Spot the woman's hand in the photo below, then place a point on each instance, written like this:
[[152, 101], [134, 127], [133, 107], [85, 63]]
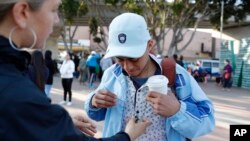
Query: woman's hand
[[82, 122], [135, 129]]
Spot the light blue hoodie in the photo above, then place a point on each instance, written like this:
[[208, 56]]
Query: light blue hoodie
[[195, 117]]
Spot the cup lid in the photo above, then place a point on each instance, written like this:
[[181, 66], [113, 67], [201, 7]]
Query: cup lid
[[157, 80]]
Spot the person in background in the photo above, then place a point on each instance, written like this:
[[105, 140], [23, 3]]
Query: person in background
[[105, 63], [175, 57], [76, 62], [38, 71], [82, 68], [195, 73], [98, 68], [199, 73], [180, 61], [67, 69], [181, 114], [227, 75], [52, 69], [28, 112], [190, 68], [92, 64]]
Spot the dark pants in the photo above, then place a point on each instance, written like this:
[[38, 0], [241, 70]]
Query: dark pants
[[218, 80], [227, 83], [67, 83], [92, 74]]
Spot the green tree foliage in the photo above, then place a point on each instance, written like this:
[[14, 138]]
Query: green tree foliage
[[93, 26], [69, 11], [164, 17], [238, 9], [161, 15]]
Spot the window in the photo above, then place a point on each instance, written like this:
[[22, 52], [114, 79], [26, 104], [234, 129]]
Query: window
[[215, 64], [206, 64]]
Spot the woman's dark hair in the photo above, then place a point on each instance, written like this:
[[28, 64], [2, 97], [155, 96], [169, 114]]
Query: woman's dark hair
[[37, 61], [70, 55], [227, 60], [48, 55]]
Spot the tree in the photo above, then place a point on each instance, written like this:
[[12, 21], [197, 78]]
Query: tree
[[231, 10], [161, 15], [176, 16], [98, 21], [69, 11]]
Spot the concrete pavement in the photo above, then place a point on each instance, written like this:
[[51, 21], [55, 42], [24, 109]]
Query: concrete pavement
[[231, 107]]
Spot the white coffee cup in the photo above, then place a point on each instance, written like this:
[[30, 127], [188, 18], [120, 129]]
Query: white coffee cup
[[158, 83]]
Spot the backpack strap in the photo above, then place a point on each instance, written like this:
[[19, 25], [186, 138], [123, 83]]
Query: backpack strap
[[168, 70]]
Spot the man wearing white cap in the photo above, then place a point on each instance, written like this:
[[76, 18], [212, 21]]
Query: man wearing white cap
[[123, 93]]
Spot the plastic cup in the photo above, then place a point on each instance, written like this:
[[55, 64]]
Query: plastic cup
[[158, 83]]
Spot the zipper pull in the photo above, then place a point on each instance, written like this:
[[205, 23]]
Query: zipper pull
[[136, 117]]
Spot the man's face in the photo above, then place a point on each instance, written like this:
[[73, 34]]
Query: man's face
[[134, 66], [137, 67]]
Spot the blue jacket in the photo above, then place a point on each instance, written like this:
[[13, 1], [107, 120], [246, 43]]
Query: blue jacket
[[92, 60], [195, 117]]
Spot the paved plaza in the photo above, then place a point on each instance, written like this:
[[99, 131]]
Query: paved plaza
[[231, 107]]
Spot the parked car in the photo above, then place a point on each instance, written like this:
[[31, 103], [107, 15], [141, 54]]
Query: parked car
[[211, 67]]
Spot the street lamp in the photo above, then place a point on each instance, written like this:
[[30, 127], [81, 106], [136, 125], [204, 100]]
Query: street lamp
[[221, 21]]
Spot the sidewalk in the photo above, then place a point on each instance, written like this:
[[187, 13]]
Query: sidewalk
[[231, 107]]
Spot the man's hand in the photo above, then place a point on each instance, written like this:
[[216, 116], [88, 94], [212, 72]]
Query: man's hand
[[84, 124], [164, 105], [103, 99]]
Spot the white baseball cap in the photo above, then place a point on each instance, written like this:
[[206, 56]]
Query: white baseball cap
[[93, 52], [128, 36]]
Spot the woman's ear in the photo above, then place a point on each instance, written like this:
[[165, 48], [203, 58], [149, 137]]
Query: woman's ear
[[20, 14]]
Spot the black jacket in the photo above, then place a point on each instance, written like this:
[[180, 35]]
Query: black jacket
[[51, 66], [26, 114]]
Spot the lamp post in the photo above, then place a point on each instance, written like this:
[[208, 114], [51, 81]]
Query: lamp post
[[221, 21]]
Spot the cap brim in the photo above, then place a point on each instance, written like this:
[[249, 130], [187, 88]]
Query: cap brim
[[130, 52]]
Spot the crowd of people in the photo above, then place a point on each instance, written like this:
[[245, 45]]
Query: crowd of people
[[200, 74], [87, 69], [122, 100]]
